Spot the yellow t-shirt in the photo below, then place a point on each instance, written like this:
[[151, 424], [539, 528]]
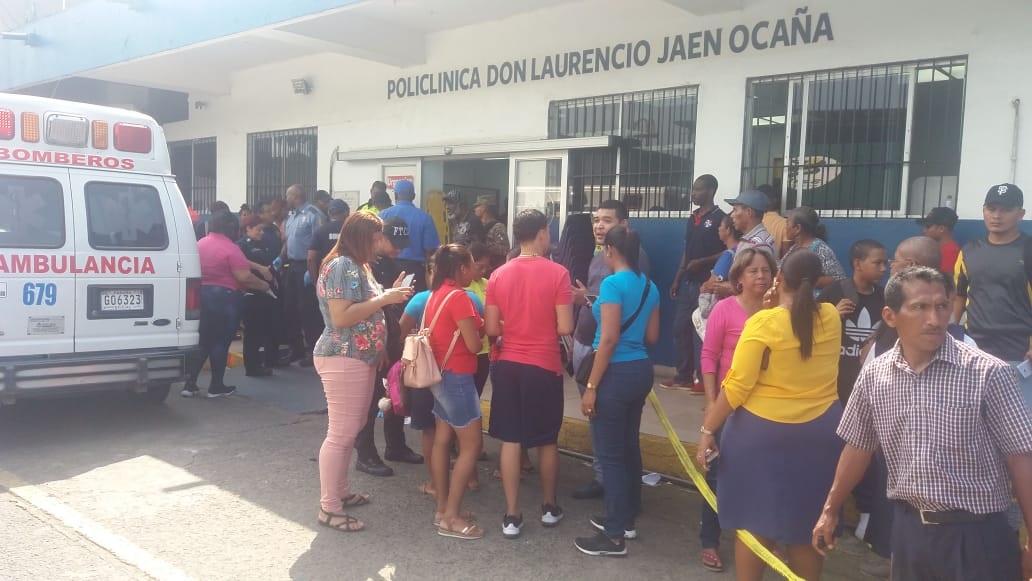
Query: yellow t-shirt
[[790, 390], [479, 288], [777, 226]]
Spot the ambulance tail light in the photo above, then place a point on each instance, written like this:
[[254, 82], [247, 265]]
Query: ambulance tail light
[[67, 130], [132, 138], [30, 127], [6, 124], [193, 299], [100, 135]]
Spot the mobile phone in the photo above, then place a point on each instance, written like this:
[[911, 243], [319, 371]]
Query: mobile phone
[[711, 455], [407, 281], [1025, 368]]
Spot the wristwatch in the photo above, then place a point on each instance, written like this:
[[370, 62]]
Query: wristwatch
[[589, 385]]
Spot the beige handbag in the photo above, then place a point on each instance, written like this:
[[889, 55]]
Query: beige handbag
[[420, 366]]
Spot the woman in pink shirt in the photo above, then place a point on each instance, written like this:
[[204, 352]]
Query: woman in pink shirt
[[225, 272], [751, 275]]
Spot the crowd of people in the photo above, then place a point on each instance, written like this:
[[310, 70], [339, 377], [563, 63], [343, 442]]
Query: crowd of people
[[819, 384]]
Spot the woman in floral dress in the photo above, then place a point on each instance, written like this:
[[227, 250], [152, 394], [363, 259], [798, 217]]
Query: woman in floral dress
[[346, 356]]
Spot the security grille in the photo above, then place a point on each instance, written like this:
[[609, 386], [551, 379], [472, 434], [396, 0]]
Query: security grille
[[194, 163], [651, 169], [880, 140], [279, 159]]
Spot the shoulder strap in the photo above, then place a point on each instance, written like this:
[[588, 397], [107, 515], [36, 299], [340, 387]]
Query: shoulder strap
[[455, 337], [644, 295], [438, 314]]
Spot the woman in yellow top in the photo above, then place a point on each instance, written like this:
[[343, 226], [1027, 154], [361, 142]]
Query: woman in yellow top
[[778, 450]]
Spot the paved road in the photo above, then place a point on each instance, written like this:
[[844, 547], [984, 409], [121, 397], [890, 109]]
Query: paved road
[[103, 487]]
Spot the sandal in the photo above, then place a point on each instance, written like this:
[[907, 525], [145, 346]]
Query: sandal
[[346, 522], [466, 515], [711, 560], [427, 489], [469, 532], [353, 500]]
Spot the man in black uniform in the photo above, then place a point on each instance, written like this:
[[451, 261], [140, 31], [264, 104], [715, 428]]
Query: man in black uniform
[[386, 270], [325, 238], [260, 309]]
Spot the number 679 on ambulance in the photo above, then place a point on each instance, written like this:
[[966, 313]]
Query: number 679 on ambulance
[[99, 272]]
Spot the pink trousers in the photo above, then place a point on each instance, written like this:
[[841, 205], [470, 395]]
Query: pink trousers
[[348, 384]]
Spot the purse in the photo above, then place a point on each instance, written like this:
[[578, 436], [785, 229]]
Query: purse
[[584, 371], [420, 368]]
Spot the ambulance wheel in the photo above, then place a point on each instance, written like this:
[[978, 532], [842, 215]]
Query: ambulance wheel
[[156, 393]]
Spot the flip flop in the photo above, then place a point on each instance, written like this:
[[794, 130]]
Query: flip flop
[[425, 489], [466, 515], [353, 500], [468, 533], [711, 560], [346, 524]]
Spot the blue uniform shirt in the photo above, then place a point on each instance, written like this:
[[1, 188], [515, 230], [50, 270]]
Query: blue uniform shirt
[[301, 226], [422, 233]]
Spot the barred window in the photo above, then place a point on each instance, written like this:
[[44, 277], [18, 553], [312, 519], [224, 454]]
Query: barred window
[[651, 169], [194, 163], [279, 159], [881, 140]]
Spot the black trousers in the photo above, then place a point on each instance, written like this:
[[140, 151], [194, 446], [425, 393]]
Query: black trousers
[[259, 314], [417, 268], [303, 321], [393, 426], [977, 551]]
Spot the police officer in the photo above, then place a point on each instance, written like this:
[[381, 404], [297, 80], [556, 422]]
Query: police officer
[[301, 308], [326, 238], [260, 309]]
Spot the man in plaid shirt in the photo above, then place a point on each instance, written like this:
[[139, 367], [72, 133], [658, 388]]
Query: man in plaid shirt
[[952, 423]]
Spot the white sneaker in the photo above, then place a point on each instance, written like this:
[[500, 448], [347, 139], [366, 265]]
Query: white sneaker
[[511, 526], [599, 523], [551, 515]]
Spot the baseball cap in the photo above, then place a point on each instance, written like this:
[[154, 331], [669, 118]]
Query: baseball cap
[[485, 200], [404, 189], [942, 216], [338, 207], [453, 197], [1006, 195], [396, 230], [751, 198]]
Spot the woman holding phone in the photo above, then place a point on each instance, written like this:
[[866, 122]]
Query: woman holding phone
[[346, 356], [620, 380]]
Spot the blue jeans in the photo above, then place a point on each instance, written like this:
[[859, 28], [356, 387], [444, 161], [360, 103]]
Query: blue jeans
[[618, 405], [580, 351], [686, 341], [220, 320]]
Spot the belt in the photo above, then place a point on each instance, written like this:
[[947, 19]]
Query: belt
[[947, 517]]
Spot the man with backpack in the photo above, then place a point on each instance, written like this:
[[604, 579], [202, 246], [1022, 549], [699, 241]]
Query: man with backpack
[[994, 277]]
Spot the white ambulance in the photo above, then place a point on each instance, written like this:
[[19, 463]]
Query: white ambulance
[[99, 272]]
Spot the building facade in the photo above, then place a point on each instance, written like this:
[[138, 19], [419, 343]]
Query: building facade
[[872, 112]]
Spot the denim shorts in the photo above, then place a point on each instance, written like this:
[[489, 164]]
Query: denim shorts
[[456, 402]]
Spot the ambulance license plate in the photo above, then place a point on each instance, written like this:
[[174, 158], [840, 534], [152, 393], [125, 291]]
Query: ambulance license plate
[[122, 300]]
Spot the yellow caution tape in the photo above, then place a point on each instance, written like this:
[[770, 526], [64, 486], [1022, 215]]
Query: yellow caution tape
[[707, 493]]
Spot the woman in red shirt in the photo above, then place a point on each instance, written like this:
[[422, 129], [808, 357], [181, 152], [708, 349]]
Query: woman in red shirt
[[455, 337]]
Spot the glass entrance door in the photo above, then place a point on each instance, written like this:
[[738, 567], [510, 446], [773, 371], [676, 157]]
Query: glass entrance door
[[537, 181]]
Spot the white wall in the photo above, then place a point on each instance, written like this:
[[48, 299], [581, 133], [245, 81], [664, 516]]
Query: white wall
[[349, 103]]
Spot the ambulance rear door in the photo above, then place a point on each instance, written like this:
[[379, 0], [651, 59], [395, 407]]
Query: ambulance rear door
[[127, 254], [37, 285]]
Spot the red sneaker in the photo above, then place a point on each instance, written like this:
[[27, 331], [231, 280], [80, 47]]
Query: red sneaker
[[674, 384], [698, 389]]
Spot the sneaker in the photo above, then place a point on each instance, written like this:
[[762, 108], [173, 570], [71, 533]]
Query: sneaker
[[374, 467], [697, 389], [599, 522], [511, 526], [221, 391], [551, 515], [592, 489], [189, 390], [674, 384], [600, 546]]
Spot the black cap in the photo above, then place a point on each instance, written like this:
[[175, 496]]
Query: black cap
[[396, 230], [939, 217], [1006, 195], [453, 197]]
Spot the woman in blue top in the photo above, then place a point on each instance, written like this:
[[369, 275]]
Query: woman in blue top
[[621, 378]]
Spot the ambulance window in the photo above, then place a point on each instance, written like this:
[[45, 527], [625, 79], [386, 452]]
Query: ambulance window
[[31, 212], [125, 216]]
